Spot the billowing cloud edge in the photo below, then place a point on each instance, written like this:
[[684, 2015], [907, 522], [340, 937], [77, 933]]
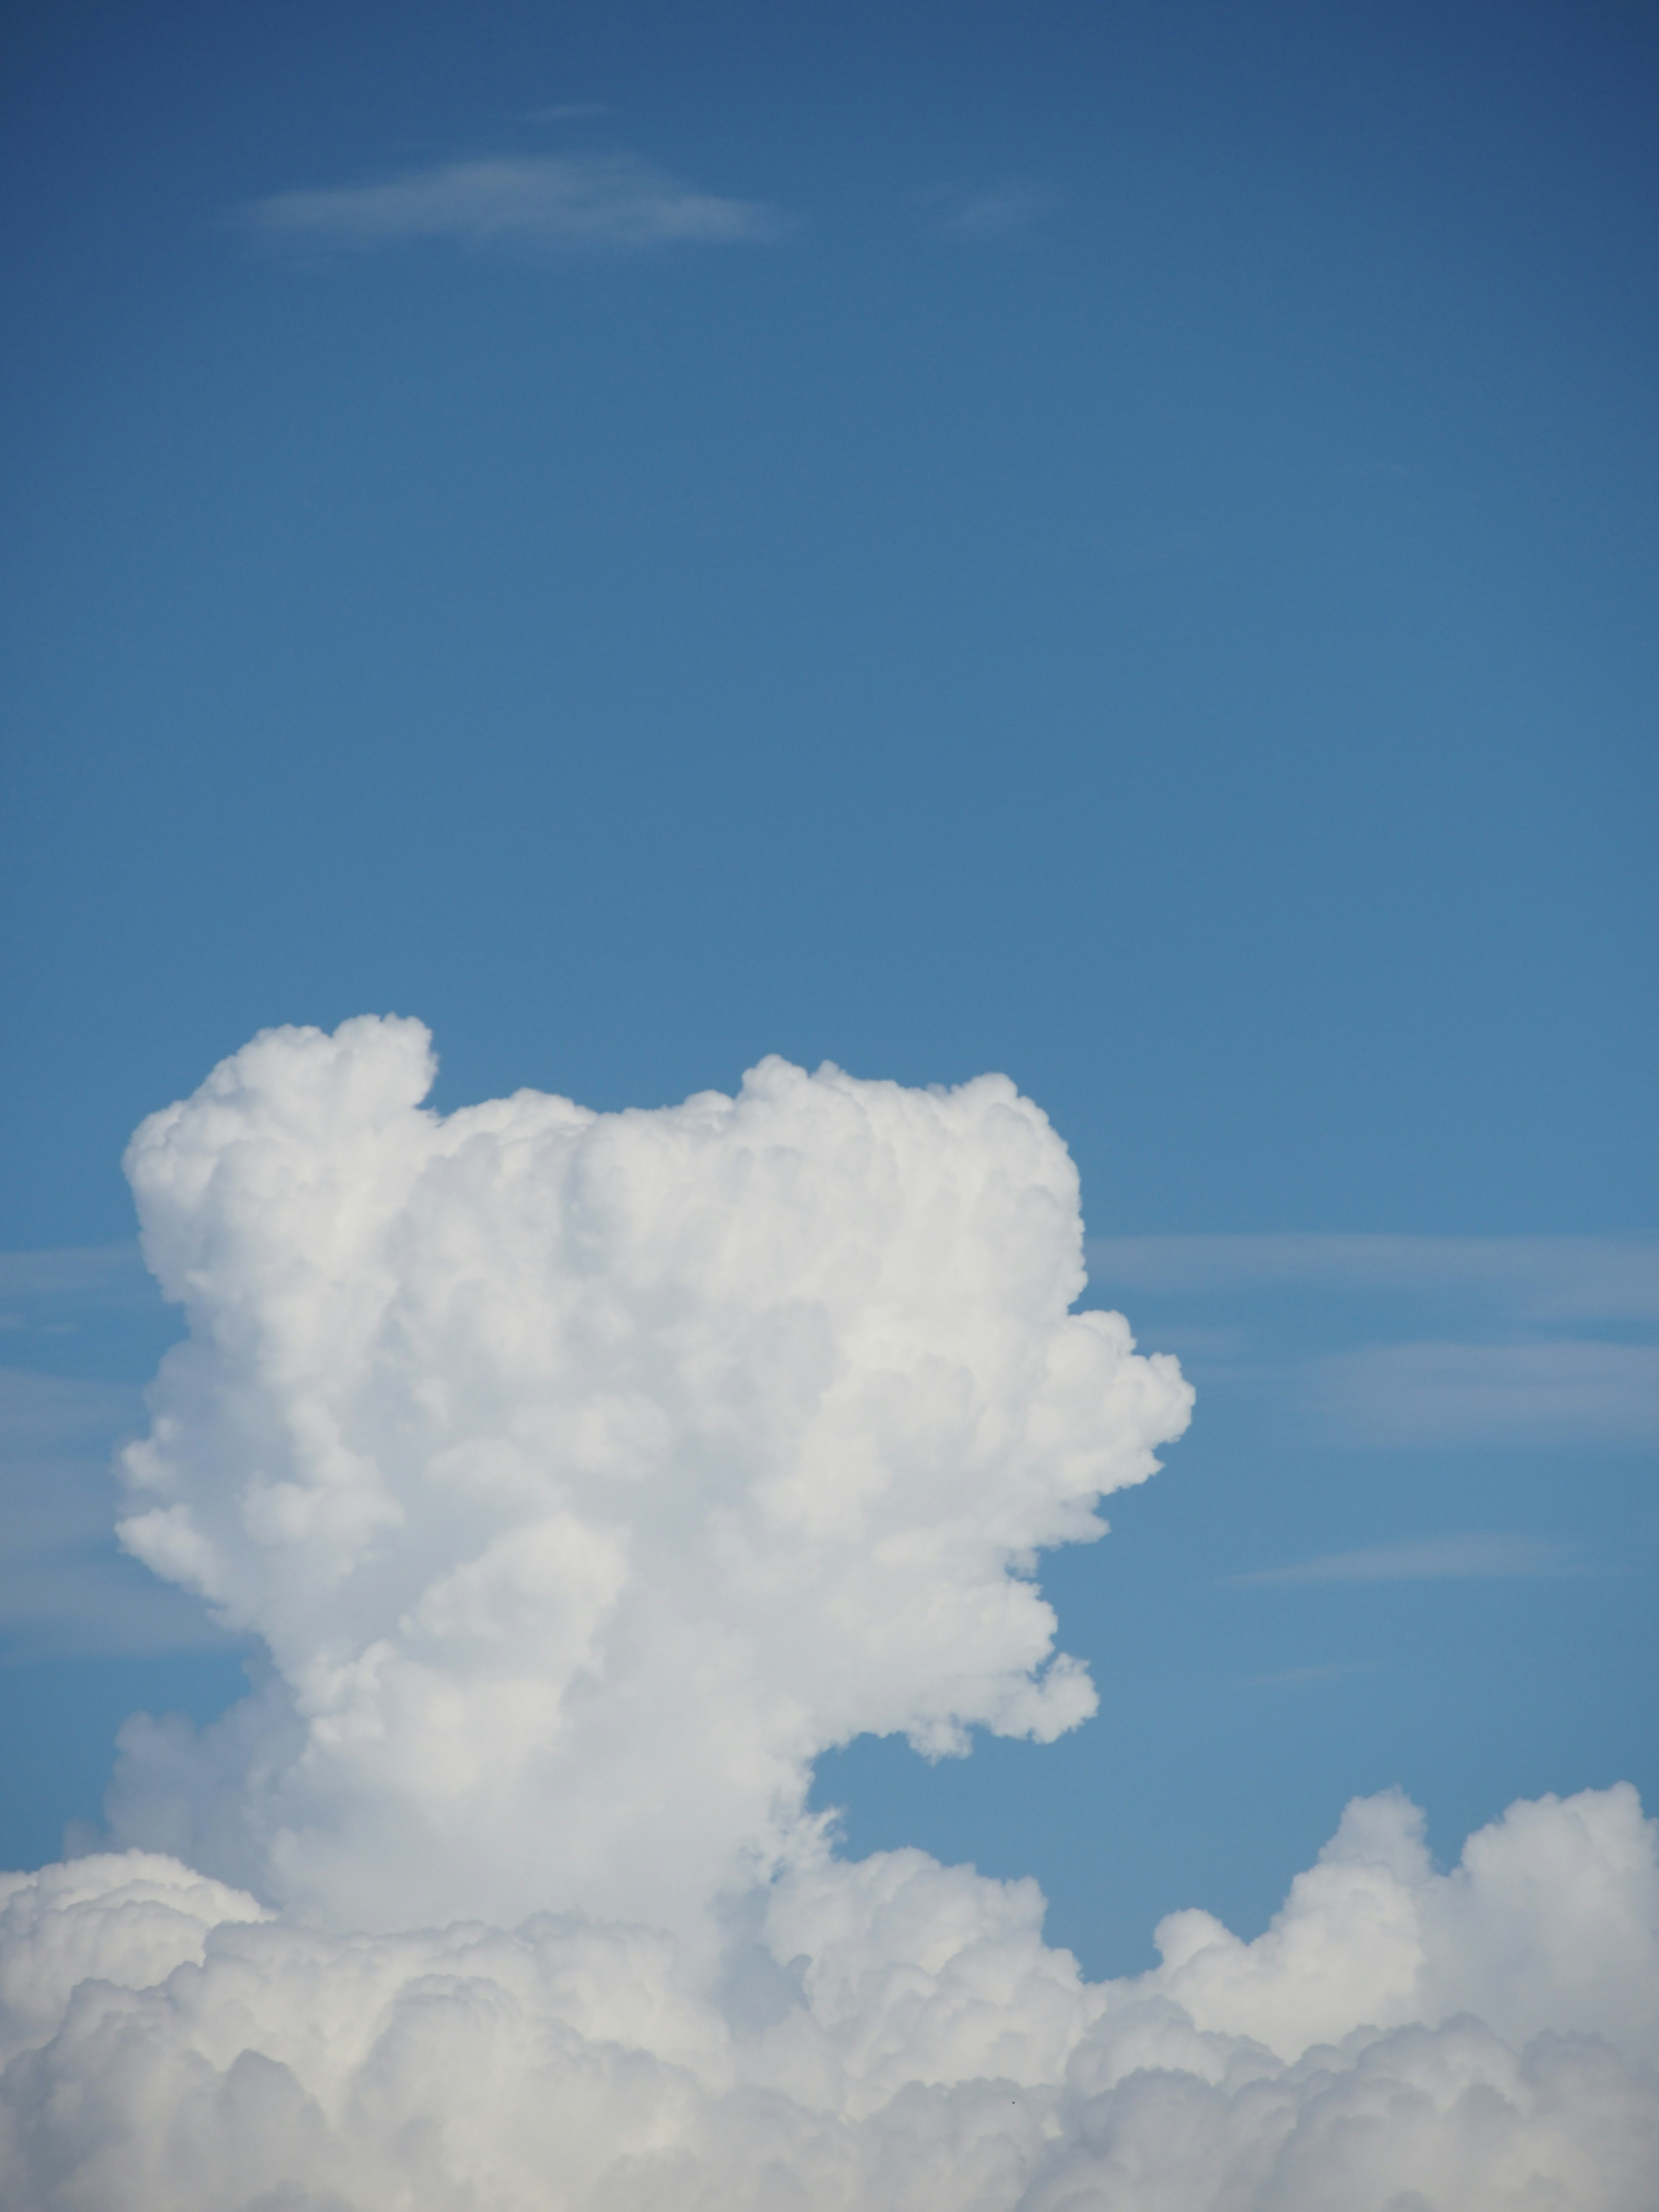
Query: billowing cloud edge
[[891, 2034]]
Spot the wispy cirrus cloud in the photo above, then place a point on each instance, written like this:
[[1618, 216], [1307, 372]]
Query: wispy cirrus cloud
[[1475, 1556], [565, 203]]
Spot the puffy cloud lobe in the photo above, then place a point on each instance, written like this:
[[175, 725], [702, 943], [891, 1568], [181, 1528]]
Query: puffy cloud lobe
[[925, 2052], [586, 1475]]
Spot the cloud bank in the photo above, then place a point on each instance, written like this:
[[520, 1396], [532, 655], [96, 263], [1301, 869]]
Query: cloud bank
[[901, 2041], [583, 1476], [569, 202]]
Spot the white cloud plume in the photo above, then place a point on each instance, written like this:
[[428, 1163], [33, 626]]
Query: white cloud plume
[[583, 1475], [586, 1473], [565, 202]]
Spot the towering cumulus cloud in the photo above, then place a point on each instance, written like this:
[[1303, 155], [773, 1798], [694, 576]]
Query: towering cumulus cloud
[[586, 1475], [582, 1478]]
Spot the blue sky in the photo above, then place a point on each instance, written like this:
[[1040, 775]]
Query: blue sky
[[1110, 543]]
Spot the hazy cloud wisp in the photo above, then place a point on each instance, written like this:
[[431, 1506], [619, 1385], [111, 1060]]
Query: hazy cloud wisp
[[1472, 1556], [1564, 1392], [1518, 1365], [1537, 1278], [568, 203]]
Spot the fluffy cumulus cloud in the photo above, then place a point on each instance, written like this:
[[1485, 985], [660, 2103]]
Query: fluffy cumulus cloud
[[583, 1477], [892, 2036], [586, 1475]]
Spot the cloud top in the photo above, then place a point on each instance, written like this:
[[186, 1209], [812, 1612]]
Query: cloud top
[[568, 203], [586, 1475]]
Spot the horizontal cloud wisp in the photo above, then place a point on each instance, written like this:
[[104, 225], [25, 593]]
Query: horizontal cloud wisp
[[1430, 1558], [561, 204]]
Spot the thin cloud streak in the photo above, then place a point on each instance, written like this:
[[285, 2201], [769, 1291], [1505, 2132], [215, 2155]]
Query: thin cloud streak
[[567, 203], [1537, 1395], [1541, 1277], [1526, 1342], [1472, 1557]]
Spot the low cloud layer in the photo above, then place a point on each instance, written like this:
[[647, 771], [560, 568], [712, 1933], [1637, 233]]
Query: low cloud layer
[[892, 2037], [582, 1477], [569, 202]]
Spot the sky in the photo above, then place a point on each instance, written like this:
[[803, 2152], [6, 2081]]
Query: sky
[[1105, 544]]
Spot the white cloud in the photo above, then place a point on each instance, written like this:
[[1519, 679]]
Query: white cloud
[[572, 203], [583, 1475], [1479, 2041], [1430, 1558], [584, 1472]]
